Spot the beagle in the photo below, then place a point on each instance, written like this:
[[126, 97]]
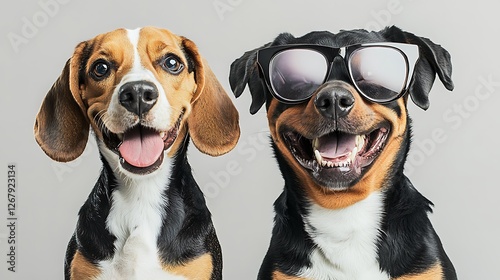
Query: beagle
[[144, 93], [337, 112]]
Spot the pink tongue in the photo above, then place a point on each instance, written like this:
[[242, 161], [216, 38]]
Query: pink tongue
[[141, 147], [336, 145]]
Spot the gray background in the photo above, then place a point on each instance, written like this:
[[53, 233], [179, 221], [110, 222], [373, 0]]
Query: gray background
[[458, 170]]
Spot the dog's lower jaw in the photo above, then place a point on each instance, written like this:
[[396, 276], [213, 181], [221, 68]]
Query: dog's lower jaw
[[335, 179], [116, 163]]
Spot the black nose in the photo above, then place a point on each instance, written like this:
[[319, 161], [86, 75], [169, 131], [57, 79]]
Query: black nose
[[334, 102], [138, 97]]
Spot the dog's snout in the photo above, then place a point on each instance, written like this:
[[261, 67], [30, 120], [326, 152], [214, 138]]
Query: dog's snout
[[334, 102], [138, 97]]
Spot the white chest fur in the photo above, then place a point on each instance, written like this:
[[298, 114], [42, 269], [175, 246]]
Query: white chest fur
[[346, 241], [135, 219]]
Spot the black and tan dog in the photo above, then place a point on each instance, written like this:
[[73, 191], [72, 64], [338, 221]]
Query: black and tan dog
[[144, 93], [337, 112]]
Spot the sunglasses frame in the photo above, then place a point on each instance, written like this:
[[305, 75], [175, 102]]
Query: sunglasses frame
[[409, 52]]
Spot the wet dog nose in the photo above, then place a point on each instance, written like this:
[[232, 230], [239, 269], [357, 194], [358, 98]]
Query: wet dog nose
[[138, 97], [334, 102]]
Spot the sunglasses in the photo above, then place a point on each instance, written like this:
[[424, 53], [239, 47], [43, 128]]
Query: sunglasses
[[381, 72]]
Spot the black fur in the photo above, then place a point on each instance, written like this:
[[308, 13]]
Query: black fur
[[290, 244], [187, 229], [408, 243], [95, 244], [88, 48]]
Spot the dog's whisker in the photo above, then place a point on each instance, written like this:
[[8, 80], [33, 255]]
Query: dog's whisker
[[101, 119]]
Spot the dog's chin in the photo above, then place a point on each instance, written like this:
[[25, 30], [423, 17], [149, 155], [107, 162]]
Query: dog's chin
[[141, 149], [142, 170], [337, 160]]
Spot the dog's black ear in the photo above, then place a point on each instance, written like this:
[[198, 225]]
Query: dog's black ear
[[245, 70], [433, 60]]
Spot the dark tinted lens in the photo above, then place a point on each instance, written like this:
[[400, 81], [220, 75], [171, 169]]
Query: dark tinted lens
[[379, 72], [296, 73]]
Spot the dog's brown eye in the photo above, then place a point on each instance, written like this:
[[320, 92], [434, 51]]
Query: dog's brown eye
[[100, 70], [172, 65]]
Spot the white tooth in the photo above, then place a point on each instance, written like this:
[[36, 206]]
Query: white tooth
[[319, 158], [360, 141], [363, 141], [162, 134], [353, 154], [314, 143]]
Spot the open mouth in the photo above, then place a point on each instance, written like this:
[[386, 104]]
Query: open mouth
[[141, 148], [337, 158]]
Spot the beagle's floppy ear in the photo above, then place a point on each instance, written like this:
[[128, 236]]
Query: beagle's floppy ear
[[245, 70], [214, 121], [433, 60], [61, 128]]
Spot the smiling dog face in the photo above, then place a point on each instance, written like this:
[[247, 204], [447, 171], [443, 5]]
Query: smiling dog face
[[141, 91], [340, 146]]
